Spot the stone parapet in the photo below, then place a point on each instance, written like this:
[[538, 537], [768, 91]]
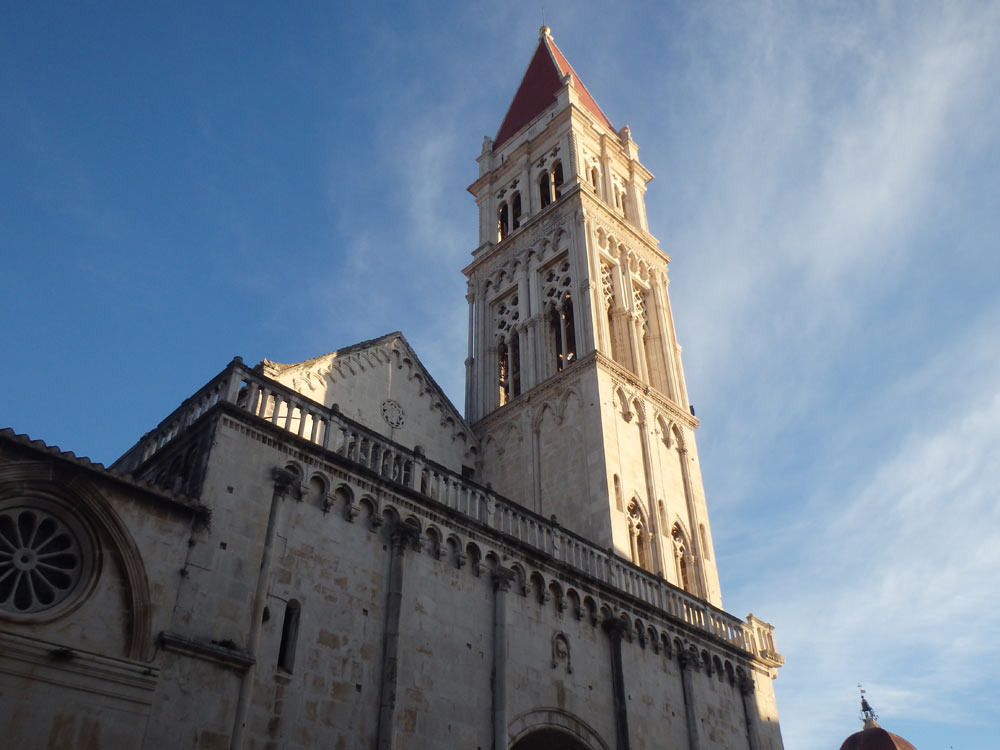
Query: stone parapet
[[266, 400]]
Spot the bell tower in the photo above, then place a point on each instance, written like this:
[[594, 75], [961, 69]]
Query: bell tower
[[574, 379]]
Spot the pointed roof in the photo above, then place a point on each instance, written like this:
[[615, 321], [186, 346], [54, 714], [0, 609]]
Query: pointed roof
[[539, 87]]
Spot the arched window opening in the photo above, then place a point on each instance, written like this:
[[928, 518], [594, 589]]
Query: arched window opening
[[544, 190], [557, 179], [594, 177], [570, 329], [638, 536], [515, 211], [556, 330], [563, 334], [289, 635], [503, 372], [503, 224], [514, 374]]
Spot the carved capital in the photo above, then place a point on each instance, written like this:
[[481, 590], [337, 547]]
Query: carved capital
[[503, 578], [615, 627], [404, 535], [685, 660], [284, 481]]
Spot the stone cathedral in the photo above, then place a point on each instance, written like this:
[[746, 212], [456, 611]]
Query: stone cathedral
[[328, 554]]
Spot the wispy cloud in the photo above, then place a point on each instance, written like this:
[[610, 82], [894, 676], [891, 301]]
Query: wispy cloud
[[873, 468], [895, 582]]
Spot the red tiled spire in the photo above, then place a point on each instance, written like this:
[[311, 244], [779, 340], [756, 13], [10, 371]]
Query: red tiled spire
[[538, 89]]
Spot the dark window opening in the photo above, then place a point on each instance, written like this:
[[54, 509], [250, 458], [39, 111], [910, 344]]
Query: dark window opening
[[557, 179], [564, 333], [289, 636], [515, 365], [503, 372], [502, 223], [544, 190], [555, 326], [515, 211], [570, 330]]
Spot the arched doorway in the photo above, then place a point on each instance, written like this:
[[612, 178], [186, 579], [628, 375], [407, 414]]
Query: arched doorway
[[549, 739]]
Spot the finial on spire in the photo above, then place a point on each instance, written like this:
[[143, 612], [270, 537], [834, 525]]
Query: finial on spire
[[868, 715], [545, 31]]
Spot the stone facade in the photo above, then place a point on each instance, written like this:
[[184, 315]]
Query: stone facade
[[327, 554]]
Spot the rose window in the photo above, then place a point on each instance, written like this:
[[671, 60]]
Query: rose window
[[392, 413], [43, 559]]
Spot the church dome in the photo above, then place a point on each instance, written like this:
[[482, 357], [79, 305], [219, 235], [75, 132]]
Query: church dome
[[874, 737]]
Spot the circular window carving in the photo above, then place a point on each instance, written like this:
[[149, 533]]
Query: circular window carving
[[46, 558], [392, 412]]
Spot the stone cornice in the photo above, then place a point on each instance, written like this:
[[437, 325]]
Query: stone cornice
[[648, 391], [569, 376], [409, 501], [223, 654], [563, 379], [525, 236], [647, 240]]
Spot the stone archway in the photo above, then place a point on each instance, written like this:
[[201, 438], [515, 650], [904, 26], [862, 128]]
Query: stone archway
[[549, 739], [553, 729]]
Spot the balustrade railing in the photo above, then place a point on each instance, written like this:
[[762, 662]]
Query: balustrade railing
[[328, 428]]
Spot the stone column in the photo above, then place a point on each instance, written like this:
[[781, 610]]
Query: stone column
[[536, 469], [699, 553], [284, 482], [656, 551], [684, 659], [615, 628], [675, 351], [525, 348], [403, 535], [469, 380], [746, 688], [502, 578]]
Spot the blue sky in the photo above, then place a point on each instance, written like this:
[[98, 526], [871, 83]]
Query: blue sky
[[182, 183]]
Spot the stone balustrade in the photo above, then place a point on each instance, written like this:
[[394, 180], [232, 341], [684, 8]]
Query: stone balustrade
[[331, 430]]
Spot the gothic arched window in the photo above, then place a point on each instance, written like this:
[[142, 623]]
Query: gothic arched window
[[563, 333], [515, 211], [638, 535], [683, 560]]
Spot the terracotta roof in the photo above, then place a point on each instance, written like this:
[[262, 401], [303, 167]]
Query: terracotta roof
[[539, 87], [875, 738]]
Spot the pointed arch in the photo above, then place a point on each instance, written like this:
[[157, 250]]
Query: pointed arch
[[640, 538], [684, 562]]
